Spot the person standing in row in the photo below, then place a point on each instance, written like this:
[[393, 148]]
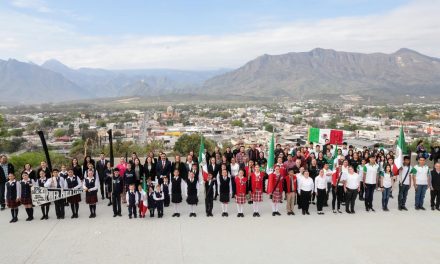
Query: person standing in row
[[405, 182], [386, 185], [57, 182], [240, 196], [44, 207], [166, 192], [371, 171], [275, 189], [225, 191], [26, 198], [101, 166], [351, 182], [91, 186], [177, 186], [435, 187], [337, 190], [192, 194], [321, 191], [132, 199], [5, 169], [209, 195], [73, 182], [290, 188], [12, 196], [158, 197], [117, 189], [421, 179], [305, 188], [257, 190]]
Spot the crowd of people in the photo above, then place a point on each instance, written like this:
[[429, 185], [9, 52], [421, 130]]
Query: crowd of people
[[323, 175]]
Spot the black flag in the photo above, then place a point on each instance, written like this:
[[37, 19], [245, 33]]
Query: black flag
[[110, 139], [46, 150]]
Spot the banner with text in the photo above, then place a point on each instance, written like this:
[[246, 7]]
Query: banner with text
[[41, 195]]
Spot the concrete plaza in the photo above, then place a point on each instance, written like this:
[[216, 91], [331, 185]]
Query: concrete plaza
[[380, 237]]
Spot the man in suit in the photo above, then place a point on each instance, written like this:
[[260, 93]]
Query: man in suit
[[5, 169], [163, 168], [214, 169], [101, 166], [253, 153], [189, 163]]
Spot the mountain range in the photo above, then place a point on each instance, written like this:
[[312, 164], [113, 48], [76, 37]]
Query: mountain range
[[319, 73]]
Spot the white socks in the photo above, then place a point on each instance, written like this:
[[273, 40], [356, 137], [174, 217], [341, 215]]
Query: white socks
[[240, 208], [176, 208], [256, 207], [224, 208], [274, 207], [192, 208]]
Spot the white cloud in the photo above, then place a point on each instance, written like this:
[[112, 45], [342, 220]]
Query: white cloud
[[37, 5], [415, 26]]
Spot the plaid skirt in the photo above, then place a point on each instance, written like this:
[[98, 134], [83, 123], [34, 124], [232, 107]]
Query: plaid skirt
[[74, 199], [276, 196], [12, 203], [257, 196], [26, 201], [240, 198], [91, 197]]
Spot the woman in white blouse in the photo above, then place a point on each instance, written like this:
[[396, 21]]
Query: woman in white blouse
[[305, 188]]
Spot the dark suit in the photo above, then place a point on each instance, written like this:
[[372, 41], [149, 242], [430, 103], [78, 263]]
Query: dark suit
[[183, 172], [253, 154], [101, 166], [162, 170], [214, 170]]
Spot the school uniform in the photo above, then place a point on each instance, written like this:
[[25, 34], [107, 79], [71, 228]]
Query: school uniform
[[117, 189], [352, 184], [404, 185], [370, 171], [387, 183], [132, 199], [305, 188], [240, 196], [151, 203], [257, 186], [290, 186], [158, 198], [275, 187], [166, 193], [421, 181], [26, 197], [92, 194], [58, 183], [44, 207], [74, 182], [435, 192], [143, 204], [108, 174], [225, 188], [12, 195], [337, 190], [209, 196], [321, 192]]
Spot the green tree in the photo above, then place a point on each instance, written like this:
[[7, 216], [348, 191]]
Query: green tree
[[10, 146], [154, 146], [238, 123], [268, 127], [47, 123], [34, 158], [427, 143], [59, 133], [101, 123], [187, 143], [16, 132]]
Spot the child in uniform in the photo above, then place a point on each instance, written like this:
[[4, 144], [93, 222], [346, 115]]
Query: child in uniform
[[132, 199], [26, 197], [158, 197], [12, 196], [73, 182], [91, 186], [44, 207]]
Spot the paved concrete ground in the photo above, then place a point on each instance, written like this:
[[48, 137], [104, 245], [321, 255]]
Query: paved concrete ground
[[381, 237]]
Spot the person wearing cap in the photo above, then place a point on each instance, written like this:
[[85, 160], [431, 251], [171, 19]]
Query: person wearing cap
[[405, 182], [57, 182], [421, 180], [371, 172], [117, 188]]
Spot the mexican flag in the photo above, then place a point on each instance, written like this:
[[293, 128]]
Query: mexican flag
[[271, 155], [400, 149], [202, 160], [317, 135]]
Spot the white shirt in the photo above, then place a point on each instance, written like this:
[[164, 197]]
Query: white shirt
[[63, 183], [421, 174], [403, 173], [234, 169], [371, 172], [387, 181], [352, 181], [306, 184], [320, 183]]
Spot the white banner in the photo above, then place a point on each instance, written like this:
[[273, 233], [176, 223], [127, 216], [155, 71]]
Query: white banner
[[41, 195]]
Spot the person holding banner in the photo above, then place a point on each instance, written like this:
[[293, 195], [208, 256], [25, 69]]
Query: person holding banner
[[59, 183], [73, 182], [91, 186], [44, 207], [26, 197], [12, 196]]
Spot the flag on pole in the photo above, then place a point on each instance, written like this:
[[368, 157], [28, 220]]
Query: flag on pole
[[271, 155], [400, 149], [202, 160], [317, 135]]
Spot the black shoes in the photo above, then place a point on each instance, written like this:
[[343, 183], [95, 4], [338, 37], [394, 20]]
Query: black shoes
[[240, 215], [109, 204], [115, 215], [192, 215], [225, 214]]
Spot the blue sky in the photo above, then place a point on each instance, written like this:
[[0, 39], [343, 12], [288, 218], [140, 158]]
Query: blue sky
[[208, 34]]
